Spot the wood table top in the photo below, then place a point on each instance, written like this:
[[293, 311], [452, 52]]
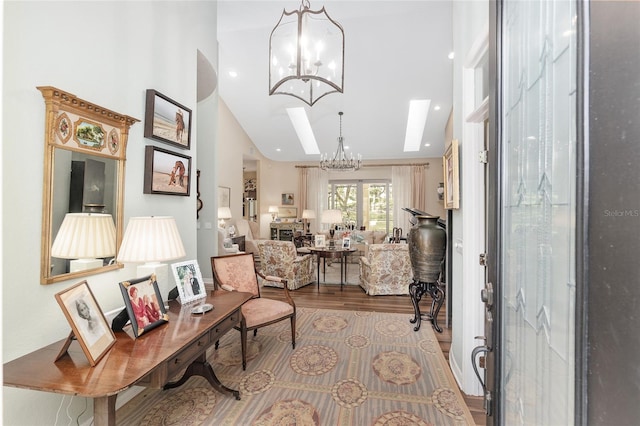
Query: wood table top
[[128, 361]]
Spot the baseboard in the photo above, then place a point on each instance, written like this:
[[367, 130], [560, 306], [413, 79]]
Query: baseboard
[[455, 369]]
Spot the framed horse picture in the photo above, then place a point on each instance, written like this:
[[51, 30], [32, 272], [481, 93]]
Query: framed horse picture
[[166, 120], [166, 172]]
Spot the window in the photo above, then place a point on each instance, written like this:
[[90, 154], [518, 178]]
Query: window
[[363, 203]]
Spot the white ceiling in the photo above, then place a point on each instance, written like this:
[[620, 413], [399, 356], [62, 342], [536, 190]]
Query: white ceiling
[[395, 51]]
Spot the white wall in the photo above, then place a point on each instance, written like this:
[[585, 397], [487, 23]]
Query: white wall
[[470, 21], [108, 53]]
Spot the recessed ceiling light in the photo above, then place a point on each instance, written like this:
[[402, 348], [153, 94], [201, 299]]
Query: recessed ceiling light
[[278, 150], [418, 111], [437, 107], [300, 121], [233, 74], [427, 144], [451, 55]]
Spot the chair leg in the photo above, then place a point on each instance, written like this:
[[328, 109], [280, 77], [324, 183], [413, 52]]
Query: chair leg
[[293, 332], [255, 332], [217, 344], [243, 344]]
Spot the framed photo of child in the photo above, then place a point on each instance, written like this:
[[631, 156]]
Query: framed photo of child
[[88, 324], [143, 304]]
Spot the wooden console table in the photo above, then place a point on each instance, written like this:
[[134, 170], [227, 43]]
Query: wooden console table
[[151, 360]]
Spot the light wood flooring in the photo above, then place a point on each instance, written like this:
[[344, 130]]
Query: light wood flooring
[[352, 297]]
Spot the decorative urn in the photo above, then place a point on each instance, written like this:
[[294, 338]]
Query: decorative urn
[[427, 243]]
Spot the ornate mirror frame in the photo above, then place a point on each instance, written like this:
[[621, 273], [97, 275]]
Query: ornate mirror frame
[[66, 118]]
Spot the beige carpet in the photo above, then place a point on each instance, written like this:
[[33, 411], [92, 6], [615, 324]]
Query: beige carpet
[[348, 368]]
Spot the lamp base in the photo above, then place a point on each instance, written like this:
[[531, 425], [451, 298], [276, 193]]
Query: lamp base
[[162, 276], [84, 264]]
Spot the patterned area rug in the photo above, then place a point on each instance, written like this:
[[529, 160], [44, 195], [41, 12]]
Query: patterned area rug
[[348, 368]]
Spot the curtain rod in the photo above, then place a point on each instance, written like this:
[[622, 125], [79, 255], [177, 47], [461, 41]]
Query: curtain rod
[[372, 165]]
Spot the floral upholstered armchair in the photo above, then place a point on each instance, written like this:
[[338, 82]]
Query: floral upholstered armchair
[[386, 269], [279, 259]]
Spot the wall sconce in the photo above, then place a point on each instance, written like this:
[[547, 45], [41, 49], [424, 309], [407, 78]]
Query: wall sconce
[[274, 212], [440, 190]]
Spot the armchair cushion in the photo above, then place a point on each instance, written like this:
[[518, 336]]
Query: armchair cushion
[[263, 310], [386, 269], [279, 258]]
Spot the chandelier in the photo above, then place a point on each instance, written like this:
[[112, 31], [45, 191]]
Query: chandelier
[[339, 161], [306, 55]]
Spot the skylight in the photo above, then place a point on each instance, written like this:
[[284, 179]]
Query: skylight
[[418, 111], [300, 121]]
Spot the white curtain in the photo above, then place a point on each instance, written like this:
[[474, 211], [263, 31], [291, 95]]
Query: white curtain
[[317, 183], [401, 182]]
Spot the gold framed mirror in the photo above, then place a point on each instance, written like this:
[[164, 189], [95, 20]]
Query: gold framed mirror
[[83, 196]]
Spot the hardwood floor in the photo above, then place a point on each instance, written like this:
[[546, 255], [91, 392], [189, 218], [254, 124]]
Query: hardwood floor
[[352, 297]]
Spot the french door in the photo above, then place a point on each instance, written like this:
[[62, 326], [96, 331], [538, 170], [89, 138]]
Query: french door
[[363, 203]]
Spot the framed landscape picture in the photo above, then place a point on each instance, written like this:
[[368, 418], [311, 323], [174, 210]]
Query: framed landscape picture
[[88, 323], [166, 172], [166, 120], [144, 304]]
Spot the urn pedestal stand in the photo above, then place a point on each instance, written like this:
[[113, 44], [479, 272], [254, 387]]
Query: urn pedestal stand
[[427, 243], [417, 289]]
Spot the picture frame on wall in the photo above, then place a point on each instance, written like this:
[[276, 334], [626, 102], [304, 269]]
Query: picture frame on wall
[[144, 304], [224, 196], [451, 176], [88, 323], [287, 199], [166, 172], [189, 281], [166, 120]]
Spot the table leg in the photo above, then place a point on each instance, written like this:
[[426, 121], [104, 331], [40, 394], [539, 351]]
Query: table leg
[[104, 410], [343, 275], [318, 264], [201, 367]]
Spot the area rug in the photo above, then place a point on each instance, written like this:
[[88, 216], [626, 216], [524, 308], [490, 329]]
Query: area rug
[[348, 368]]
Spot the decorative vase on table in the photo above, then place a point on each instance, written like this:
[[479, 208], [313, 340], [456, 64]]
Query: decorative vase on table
[[427, 244]]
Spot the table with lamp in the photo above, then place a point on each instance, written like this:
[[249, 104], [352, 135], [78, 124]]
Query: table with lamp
[[150, 360]]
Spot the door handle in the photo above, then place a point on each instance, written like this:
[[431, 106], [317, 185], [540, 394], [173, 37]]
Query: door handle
[[474, 355]]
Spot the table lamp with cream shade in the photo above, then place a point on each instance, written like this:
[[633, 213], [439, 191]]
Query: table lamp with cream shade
[[87, 238], [224, 214], [151, 240], [331, 217], [274, 212], [308, 214]]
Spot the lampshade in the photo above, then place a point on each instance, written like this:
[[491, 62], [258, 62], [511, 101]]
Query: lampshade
[[273, 209], [308, 214], [224, 213], [306, 55], [151, 239], [85, 235], [331, 216]]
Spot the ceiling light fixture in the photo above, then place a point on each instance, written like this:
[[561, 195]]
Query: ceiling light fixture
[[339, 161], [306, 51]]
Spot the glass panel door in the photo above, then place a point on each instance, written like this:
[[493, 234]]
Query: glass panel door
[[538, 210]]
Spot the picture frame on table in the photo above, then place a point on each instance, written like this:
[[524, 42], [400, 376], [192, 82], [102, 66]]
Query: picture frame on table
[[319, 241], [450, 164], [224, 196], [166, 120], [143, 303], [189, 281], [88, 323], [166, 172], [346, 243]]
